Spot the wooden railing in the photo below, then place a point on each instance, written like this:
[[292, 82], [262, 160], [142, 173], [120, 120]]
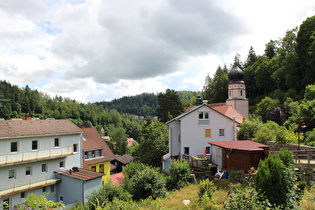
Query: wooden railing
[[301, 156], [34, 155], [27, 184]]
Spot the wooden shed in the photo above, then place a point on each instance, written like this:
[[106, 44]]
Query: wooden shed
[[237, 155]]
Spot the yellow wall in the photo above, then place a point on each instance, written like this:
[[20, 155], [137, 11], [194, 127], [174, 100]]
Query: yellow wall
[[106, 176]]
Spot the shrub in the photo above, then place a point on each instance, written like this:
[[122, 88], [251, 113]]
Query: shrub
[[147, 183], [180, 174], [246, 198], [206, 188], [107, 193], [41, 202], [276, 181]]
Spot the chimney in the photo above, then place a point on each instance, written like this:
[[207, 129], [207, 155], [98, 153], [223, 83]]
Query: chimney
[[27, 117]]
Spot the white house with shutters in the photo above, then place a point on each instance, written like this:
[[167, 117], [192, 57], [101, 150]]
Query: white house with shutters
[[32, 153]]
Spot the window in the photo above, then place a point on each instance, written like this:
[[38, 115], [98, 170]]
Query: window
[[56, 142], [61, 164], [186, 150], [52, 188], [11, 174], [6, 204], [207, 150], [35, 145], [93, 168], [221, 132], [28, 170], [75, 148], [14, 146], [207, 132], [86, 155], [101, 168], [23, 195], [44, 189], [203, 118], [44, 167], [60, 198]]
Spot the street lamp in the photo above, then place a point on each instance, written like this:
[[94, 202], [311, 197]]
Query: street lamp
[[300, 125]]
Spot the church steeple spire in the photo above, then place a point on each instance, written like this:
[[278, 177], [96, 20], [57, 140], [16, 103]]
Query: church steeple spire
[[237, 89]]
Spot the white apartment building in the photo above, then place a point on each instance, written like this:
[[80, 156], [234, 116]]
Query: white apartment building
[[32, 155]]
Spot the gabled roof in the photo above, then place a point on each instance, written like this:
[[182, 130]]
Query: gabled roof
[[246, 145], [124, 159], [82, 174], [31, 128], [221, 108], [117, 179], [92, 140]]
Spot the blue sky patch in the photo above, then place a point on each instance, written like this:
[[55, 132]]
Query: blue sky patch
[[46, 26]]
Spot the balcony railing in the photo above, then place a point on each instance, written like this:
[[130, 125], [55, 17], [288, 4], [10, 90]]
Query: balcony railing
[[24, 185], [21, 157]]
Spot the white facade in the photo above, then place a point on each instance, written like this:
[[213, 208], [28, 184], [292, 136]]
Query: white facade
[[190, 132], [28, 164]]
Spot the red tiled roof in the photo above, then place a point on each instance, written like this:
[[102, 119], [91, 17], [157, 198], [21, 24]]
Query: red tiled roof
[[82, 174], [117, 179], [124, 159], [130, 140], [230, 112], [223, 109], [92, 140], [23, 128], [240, 145], [112, 167]]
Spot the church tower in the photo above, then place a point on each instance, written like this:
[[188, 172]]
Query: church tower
[[237, 91]]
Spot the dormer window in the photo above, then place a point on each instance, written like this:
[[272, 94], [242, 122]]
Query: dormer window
[[203, 118]]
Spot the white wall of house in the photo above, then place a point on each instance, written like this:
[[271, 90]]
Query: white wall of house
[[216, 155], [22, 174], [174, 138], [192, 134]]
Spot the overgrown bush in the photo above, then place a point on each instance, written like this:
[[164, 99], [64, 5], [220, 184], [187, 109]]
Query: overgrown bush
[[107, 193], [38, 202], [206, 189], [276, 181], [147, 183], [179, 174], [246, 198], [131, 169]]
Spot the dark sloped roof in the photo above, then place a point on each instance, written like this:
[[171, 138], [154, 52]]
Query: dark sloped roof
[[92, 140], [240, 145], [82, 174], [30, 128], [124, 159]]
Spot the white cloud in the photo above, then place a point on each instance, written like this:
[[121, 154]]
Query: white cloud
[[100, 49]]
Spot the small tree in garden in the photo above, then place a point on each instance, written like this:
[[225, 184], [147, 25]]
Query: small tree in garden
[[276, 181], [147, 183], [180, 174]]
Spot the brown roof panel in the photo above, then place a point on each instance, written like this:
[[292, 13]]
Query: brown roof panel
[[82, 174], [92, 140], [240, 145], [28, 128], [124, 159]]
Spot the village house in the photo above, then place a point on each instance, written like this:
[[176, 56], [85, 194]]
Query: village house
[[190, 132], [40, 157], [97, 155]]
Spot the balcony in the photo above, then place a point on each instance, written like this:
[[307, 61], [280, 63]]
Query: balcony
[[23, 157], [26, 185]]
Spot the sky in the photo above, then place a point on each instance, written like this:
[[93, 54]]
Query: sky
[[99, 50]]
